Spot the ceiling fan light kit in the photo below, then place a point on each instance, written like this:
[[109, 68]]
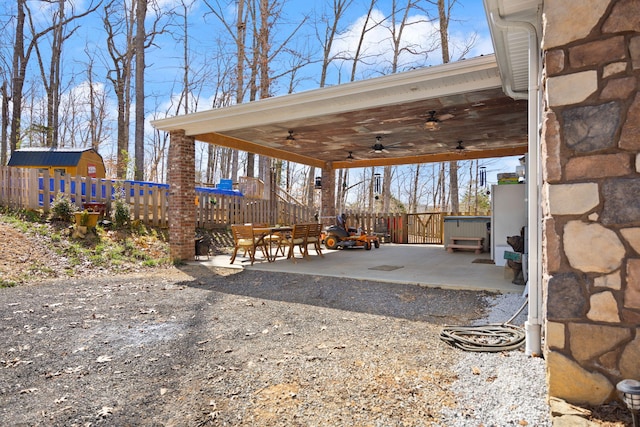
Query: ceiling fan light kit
[[432, 122], [378, 147]]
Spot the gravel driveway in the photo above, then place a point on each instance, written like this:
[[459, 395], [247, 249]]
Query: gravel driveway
[[198, 347]]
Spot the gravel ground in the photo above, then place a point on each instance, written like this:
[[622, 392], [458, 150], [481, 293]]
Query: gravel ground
[[194, 347], [198, 347], [500, 389]]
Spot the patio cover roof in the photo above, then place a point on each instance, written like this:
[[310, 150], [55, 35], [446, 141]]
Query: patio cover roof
[[465, 97]]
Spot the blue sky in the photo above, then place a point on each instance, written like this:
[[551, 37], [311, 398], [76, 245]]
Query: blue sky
[[164, 59]]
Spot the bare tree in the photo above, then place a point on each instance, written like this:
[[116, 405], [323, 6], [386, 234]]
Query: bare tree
[[141, 36], [119, 24], [444, 16], [51, 75], [328, 33], [97, 108], [21, 56], [256, 19], [5, 76], [444, 13], [397, 25], [326, 36], [20, 60], [5, 123], [417, 190], [123, 44], [357, 56], [238, 33], [159, 150]]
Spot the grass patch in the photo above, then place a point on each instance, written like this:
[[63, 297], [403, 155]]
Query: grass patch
[[118, 248], [7, 283]]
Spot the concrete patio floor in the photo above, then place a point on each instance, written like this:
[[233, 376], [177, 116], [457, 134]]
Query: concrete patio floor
[[424, 265]]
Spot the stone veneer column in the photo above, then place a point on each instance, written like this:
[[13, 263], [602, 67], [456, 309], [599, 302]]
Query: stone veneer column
[[328, 196], [591, 196], [182, 196]]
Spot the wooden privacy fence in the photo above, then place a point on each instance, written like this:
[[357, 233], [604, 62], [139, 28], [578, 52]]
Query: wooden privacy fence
[[401, 227], [33, 189], [424, 227], [148, 201], [214, 211]]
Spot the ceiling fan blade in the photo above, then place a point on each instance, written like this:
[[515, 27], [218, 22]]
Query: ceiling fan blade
[[392, 144], [444, 117]]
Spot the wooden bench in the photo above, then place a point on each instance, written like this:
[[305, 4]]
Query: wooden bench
[[465, 243]]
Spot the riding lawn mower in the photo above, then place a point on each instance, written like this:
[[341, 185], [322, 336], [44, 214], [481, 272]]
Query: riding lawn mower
[[336, 237]]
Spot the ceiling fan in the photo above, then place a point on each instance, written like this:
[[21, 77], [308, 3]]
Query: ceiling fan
[[294, 139], [433, 121], [378, 147]]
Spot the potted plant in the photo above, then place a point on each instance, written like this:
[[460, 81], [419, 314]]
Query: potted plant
[[86, 218]]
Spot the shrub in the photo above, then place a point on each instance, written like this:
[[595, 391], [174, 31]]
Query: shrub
[[63, 208], [122, 212]]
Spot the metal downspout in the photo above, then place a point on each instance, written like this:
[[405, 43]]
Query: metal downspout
[[533, 325]]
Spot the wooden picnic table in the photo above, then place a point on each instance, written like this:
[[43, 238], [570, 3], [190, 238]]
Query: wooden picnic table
[[263, 232]]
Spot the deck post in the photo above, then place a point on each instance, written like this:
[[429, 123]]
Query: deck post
[[182, 196], [328, 195]]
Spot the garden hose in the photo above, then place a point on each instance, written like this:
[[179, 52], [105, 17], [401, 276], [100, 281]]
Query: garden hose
[[493, 337]]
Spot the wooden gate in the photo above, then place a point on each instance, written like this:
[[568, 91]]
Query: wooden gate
[[425, 228]]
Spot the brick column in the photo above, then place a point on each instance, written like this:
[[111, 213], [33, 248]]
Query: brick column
[[182, 195], [328, 194]]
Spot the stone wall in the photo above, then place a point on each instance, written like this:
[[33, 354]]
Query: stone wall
[[181, 178], [591, 196]]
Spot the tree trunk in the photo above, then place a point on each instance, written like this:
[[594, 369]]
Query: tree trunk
[[386, 188], [19, 70], [414, 197], [453, 186], [311, 180], [339, 8], [117, 24], [356, 57], [5, 123], [444, 43], [53, 90], [372, 195], [141, 13]]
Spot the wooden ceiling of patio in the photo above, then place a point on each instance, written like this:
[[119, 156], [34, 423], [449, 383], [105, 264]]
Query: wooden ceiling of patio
[[488, 124]]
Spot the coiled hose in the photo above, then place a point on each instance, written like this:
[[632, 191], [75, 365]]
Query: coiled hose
[[493, 337]]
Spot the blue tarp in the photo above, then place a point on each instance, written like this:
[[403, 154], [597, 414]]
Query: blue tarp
[[99, 191], [219, 191]]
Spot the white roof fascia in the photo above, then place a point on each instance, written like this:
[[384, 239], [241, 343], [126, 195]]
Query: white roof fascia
[[508, 21], [426, 83]]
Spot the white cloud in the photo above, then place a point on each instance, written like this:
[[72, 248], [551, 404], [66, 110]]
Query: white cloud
[[377, 47], [42, 11], [420, 34]]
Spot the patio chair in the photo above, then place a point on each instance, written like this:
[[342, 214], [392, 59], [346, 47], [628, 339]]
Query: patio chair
[[244, 239], [298, 238], [314, 237]]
